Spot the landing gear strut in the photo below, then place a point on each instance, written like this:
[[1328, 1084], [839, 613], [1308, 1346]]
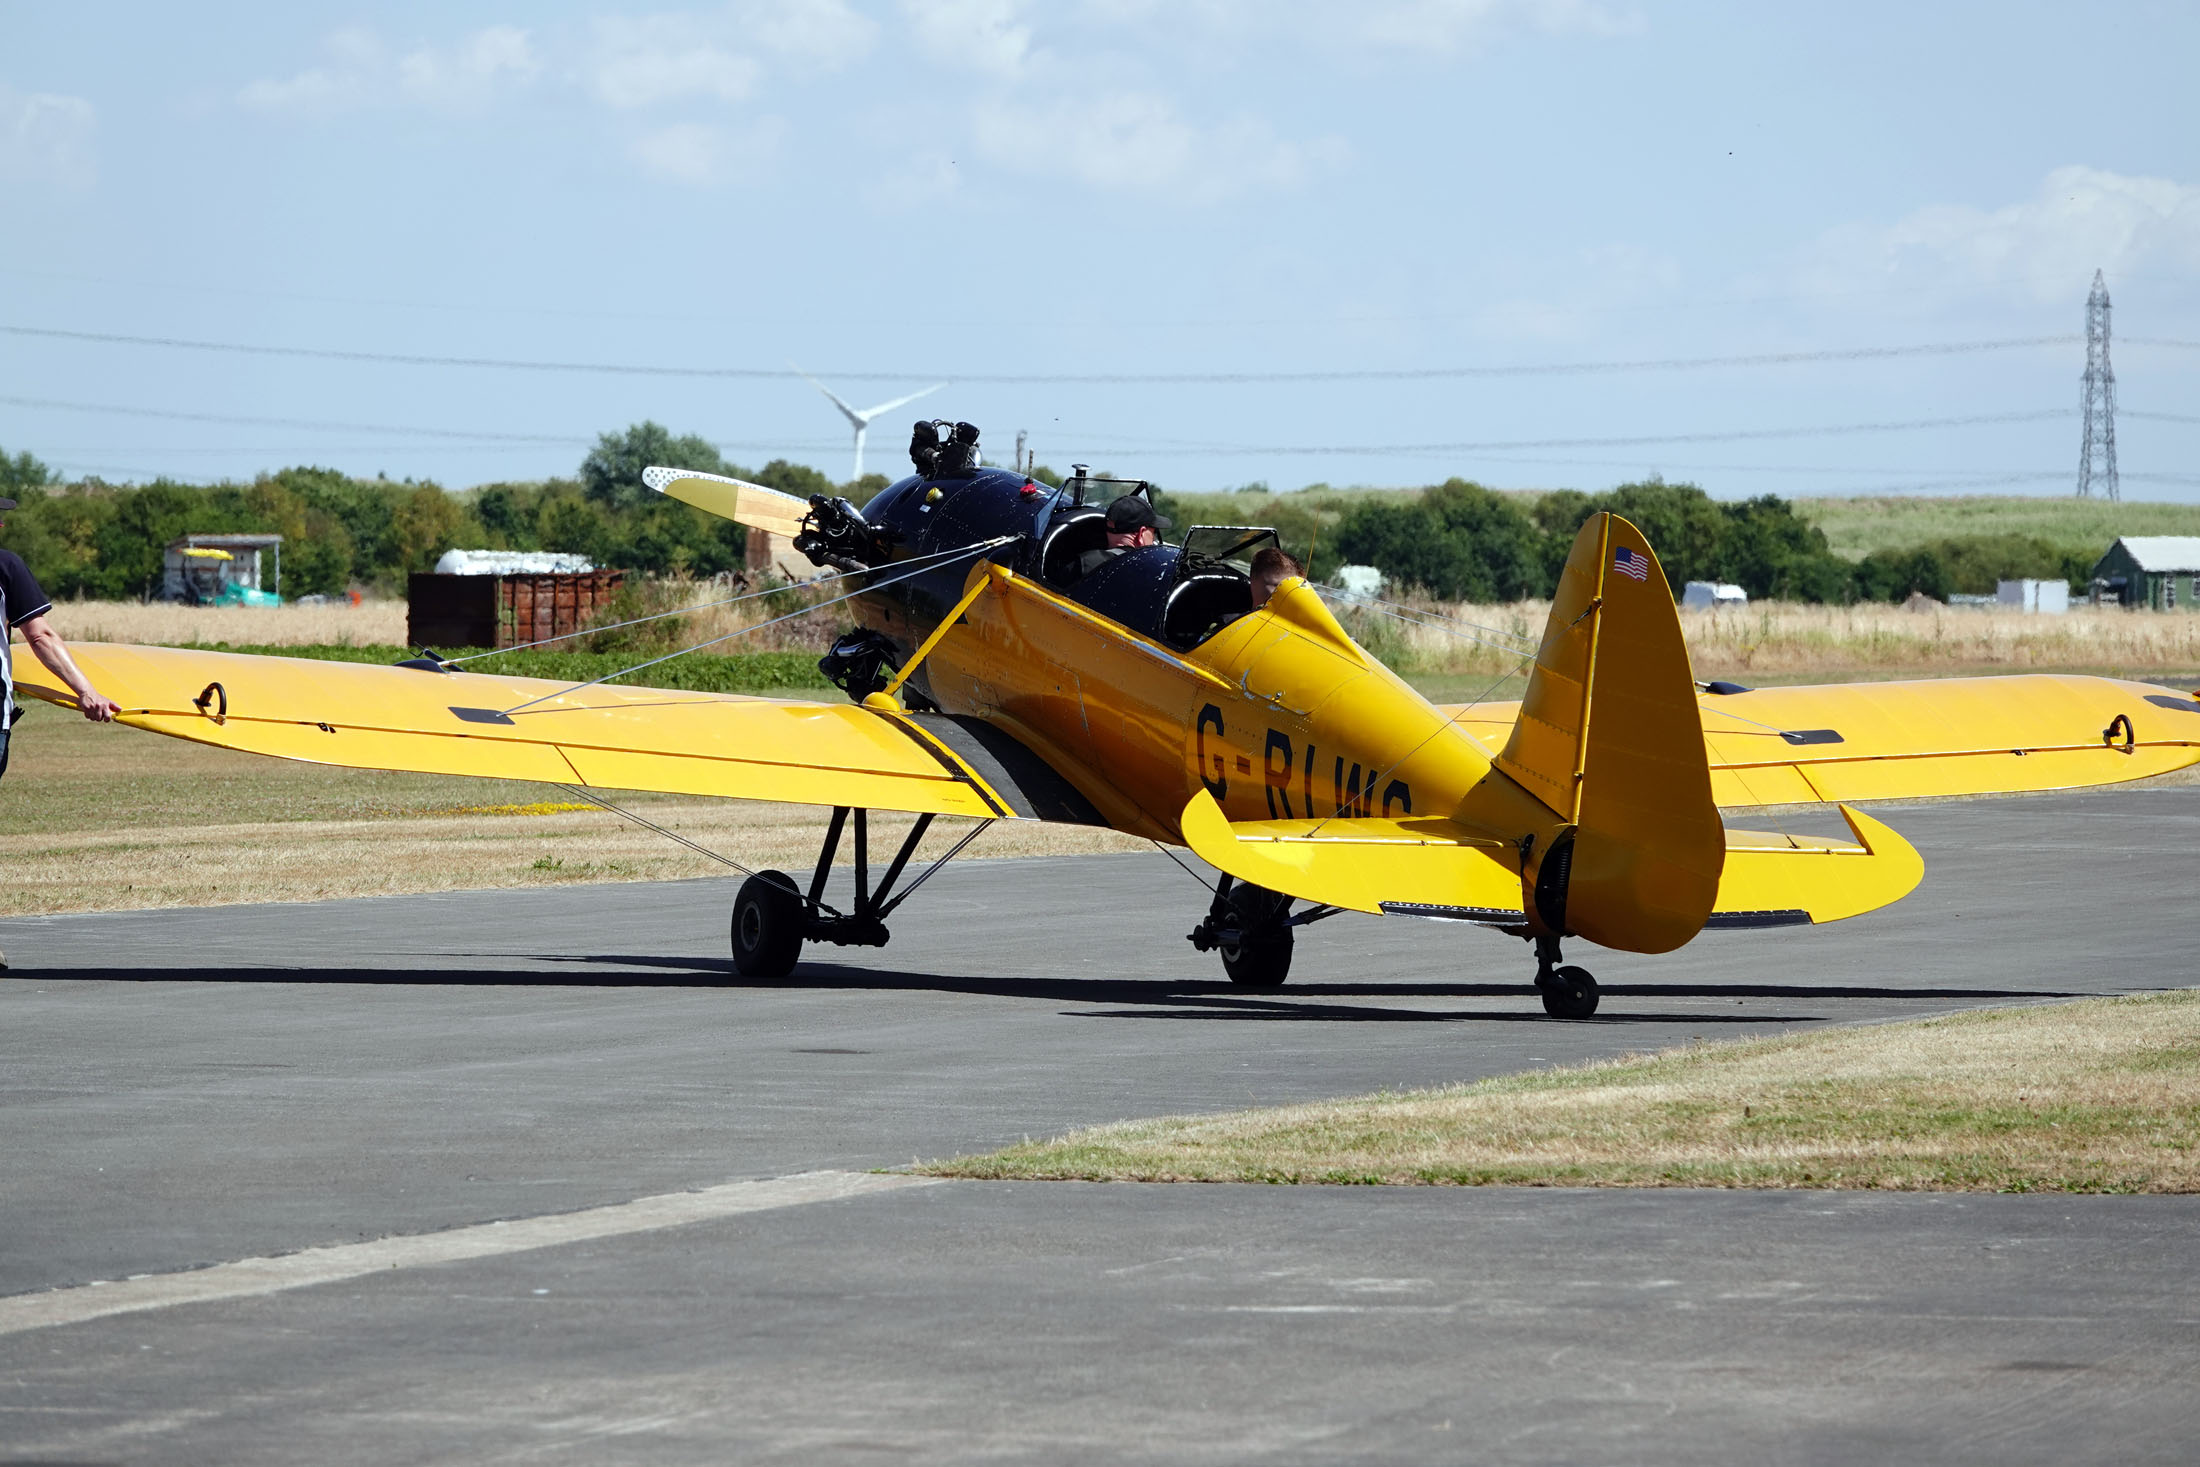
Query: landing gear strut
[[1568, 993], [772, 917], [1252, 927]]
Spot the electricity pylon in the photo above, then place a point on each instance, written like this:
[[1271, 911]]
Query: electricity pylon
[[2097, 401]]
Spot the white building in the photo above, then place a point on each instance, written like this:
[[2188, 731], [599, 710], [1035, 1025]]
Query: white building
[[1361, 582], [1710, 595], [2051, 598]]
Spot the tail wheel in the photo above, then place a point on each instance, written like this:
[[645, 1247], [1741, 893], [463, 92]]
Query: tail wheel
[[768, 920], [1569, 993], [1261, 957]]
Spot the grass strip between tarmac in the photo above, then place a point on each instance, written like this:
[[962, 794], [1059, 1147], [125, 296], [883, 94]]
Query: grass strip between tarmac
[[2101, 1095]]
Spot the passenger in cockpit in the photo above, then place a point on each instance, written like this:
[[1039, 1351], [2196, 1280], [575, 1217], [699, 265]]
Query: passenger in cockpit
[[1131, 525], [1271, 568]]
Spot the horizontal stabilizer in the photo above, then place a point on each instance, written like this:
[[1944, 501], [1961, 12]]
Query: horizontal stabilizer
[[731, 499], [1419, 868], [1785, 880]]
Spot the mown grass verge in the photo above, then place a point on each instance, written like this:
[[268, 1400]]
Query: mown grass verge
[[699, 672], [2101, 1095]]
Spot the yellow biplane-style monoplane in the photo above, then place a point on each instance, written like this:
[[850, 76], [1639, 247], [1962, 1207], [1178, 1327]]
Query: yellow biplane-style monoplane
[[1001, 669]]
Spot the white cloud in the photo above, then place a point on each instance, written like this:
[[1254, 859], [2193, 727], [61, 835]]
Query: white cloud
[[1136, 142], [704, 155], [1079, 111], [467, 74], [666, 58], [1461, 25], [1428, 27], [823, 33], [983, 35], [46, 137], [2047, 246], [356, 57], [362, 72]]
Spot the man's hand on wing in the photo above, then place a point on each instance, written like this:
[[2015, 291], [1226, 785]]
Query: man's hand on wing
[[47, 643]]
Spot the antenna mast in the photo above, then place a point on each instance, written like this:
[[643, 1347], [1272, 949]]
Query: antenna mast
[[2097, 402]]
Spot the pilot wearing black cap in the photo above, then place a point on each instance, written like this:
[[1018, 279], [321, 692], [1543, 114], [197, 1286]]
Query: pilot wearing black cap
[[1131, 525]]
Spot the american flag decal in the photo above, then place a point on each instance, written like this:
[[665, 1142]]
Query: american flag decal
[[1627, 563]]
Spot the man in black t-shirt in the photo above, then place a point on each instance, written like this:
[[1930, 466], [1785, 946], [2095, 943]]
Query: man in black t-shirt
[[23, 608]]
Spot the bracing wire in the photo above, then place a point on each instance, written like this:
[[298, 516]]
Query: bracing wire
[[1435, 621], [952, 852], [1729, 713], [1188, 871], [906, 571], [615, 626], [673, 835]]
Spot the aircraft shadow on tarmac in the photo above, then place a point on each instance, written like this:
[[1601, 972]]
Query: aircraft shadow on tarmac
[[1134, 998]]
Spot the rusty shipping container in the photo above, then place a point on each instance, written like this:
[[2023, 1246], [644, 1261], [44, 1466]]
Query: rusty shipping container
[[446, 612]]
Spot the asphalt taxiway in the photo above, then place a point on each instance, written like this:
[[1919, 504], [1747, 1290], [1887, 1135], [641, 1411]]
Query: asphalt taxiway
[[186, 1089]]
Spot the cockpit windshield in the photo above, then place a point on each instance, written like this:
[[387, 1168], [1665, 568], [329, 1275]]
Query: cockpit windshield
[[1234, 546]]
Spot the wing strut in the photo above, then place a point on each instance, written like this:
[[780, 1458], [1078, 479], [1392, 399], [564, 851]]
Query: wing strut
[[989, 574]]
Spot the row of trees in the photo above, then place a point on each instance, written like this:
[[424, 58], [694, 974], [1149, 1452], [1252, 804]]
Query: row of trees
[[1465, 542], [1458, 539], [106, 541]]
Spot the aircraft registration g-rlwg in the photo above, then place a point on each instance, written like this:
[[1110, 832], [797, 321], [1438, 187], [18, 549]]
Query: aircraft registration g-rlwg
[[1000, 670]]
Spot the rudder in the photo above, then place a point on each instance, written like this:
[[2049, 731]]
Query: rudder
[[1610, 739]]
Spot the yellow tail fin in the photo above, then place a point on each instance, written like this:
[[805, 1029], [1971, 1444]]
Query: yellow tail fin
[[1609, 737]]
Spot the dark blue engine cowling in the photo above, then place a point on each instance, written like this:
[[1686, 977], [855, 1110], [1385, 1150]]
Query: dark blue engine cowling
[[969, 508]]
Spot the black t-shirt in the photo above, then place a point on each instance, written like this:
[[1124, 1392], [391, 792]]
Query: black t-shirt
[[20, 600], [20, 596]]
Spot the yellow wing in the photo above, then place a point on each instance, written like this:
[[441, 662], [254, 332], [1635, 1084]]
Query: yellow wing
[[1942, 736], [731, 499], [368, 717]]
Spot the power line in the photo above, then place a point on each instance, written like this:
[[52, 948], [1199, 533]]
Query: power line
[[461, 437], [1177, 448], [1110, 320], [1632, 441], [317, 425], [1087, 379]]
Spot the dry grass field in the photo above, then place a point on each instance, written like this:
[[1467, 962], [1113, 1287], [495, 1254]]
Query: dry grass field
[[2097, 1096], [371, 623], [1787, 642]]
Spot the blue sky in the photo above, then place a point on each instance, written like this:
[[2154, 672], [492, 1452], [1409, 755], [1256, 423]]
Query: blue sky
[[991, 192]]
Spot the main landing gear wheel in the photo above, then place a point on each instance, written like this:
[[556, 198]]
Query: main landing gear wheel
[[1260, 957], [1568, 993], [769, 917]]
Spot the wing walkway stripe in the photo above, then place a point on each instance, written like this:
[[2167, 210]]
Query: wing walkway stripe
[[249, 1277]]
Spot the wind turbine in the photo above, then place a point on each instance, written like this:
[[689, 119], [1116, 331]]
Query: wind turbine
[[860, 419]]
